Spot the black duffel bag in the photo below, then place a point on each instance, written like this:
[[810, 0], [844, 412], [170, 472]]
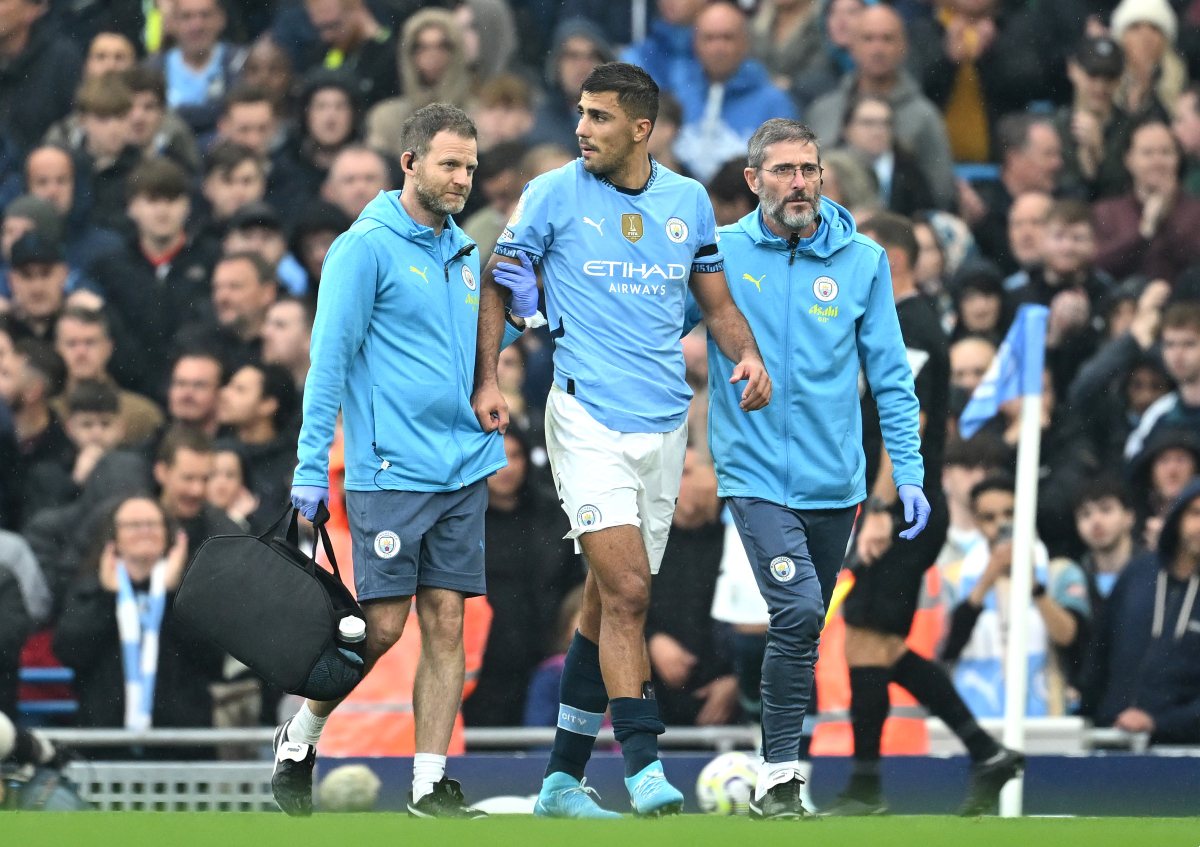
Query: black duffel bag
[[270, 606]]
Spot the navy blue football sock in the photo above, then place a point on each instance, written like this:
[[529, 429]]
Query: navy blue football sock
[[582, 701], [636, 725]]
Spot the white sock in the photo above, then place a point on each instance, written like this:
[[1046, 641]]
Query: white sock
[[428, 768], [772, 774], [306, 727]]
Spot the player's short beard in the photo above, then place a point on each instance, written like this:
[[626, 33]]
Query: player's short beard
[[433, 200], [775, 207]]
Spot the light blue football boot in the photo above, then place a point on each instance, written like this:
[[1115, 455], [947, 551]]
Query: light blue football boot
[[651, 795], [562, 796]]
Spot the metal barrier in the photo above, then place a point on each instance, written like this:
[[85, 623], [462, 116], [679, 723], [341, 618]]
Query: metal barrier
[[1044, 736], [175, 786]]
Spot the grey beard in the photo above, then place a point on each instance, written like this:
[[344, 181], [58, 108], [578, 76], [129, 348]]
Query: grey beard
[[775, 210], [432, 202]]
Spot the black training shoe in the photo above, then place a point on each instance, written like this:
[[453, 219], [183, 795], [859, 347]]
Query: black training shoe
[[445, 801], [780, 803], [855, 807], [987, 778], [292, 778]]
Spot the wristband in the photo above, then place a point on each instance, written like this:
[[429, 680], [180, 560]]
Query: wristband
[[1039, 591], [875, 504]]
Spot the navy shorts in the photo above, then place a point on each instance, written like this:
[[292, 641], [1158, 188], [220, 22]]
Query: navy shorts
[[403, 539]]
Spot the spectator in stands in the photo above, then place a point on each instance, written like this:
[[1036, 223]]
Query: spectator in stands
[[1142, 669], [504, 111], [51, 175], [36, 376], [11, 378], [25, 604], [42, 70], [433, 68], [666, 132], [248, 118], [1030, 158], [577, 47], [109, 53], [1105, 518], [1155, 75], [530, 569], [1181, 354], [83, 339], [182, 468], [786, 37], [255, 228], [287, 336], [1059, 616], [970, 357], [977, 64], [243, 287], [966, 464], [103, 105], [37, 278], [1027, 219], [667, 51], [269, 67], [731, 197], [1185, 126], [837, 26], [1114, 389], [154, 128], [201, 68], [979, 306], [500, 180], [259, 404], [737, 96], [227, 488], [104, 637], [93, 425], [353, 40], [1151, 230], [355, 178], [867, 133], [234, 176], [879, 50], [318, 225], [194, 391], [1094, 129], [27, 214], [541, 699], [695, 682]]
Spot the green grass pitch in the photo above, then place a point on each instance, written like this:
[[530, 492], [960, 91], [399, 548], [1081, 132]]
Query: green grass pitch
[[148, 829]]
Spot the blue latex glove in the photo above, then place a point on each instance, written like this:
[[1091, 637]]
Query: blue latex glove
[[916, 508], [522, 282], [306, 497]]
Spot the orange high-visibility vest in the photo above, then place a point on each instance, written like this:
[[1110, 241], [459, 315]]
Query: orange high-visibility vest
[[376, 719], [904, 733]]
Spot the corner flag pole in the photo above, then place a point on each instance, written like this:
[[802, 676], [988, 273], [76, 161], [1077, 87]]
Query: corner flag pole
[[1016, 670]]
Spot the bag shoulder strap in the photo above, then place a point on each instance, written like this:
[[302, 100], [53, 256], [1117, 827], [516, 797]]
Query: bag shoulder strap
[[293, 534]]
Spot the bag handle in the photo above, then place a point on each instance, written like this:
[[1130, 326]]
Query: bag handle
[[293, 534]]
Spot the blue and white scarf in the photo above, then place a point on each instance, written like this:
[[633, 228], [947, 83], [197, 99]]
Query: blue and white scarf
[[139, 619]]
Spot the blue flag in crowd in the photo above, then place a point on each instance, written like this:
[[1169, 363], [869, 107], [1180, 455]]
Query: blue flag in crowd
[[1015, 371]]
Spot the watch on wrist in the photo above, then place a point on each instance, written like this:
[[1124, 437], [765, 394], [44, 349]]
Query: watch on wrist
[[1038, 591], [508, 316], [875, 504]]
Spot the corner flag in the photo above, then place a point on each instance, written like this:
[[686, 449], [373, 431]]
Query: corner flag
[[1016, 370]]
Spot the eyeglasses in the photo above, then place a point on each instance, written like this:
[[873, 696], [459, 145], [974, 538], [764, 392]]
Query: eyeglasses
[[140, 526], [810, 172]]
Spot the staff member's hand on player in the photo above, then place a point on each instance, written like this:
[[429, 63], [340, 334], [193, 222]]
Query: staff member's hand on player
[[758, 383], [521, 280]]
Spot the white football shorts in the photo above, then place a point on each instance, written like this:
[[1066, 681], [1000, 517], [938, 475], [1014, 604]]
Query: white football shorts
[[607, 478]]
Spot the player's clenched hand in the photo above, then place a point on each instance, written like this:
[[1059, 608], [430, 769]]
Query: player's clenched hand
[[490, 407], [758, 383]]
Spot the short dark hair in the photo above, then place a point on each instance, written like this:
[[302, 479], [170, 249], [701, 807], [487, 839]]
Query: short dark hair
[[91, 317], [105, 97], [997, 481], [157, 179], [670, 110], [279, 385], [422, 125], [225, 156], [1182, 315], [243, 94], [1070, 212], [308, 308], [1012, 132], [142, 78], [263, 270], [636, 90], [92, 395], [892, 230], [729, 183], [42, 360], [181, 437], [980, 451], [1102, 488], [857, 100]]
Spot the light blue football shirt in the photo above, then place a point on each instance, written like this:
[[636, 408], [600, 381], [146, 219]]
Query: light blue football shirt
[[615, 267]]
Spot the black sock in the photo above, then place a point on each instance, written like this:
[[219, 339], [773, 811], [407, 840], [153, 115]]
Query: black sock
[[636, 726], [933, 688], [582, 701], [868, 711]]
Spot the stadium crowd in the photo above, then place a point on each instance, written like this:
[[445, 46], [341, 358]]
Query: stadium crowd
[[172, 175]]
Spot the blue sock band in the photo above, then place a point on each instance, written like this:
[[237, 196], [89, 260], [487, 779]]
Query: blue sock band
[[582, 701], [636, 725]]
